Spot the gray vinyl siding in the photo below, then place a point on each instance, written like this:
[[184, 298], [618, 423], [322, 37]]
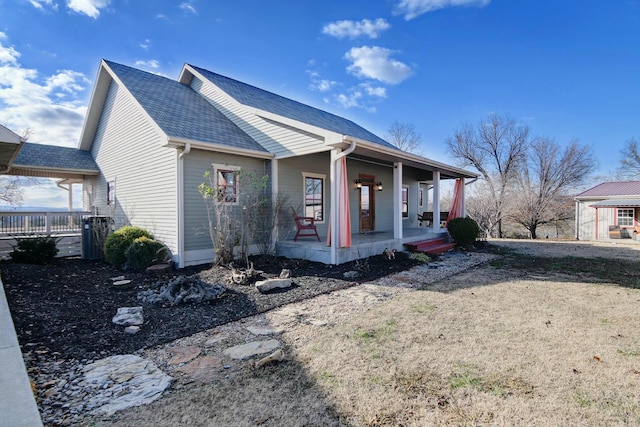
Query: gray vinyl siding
[[277, 138], [196, 163], [291, 181], [128, 150]]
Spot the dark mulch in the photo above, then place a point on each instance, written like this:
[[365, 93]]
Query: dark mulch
[[64, 310]]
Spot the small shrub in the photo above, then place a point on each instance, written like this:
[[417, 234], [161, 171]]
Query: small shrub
[[464, 231], [35, 250], [144, 252], [420, 257], [118, 242]]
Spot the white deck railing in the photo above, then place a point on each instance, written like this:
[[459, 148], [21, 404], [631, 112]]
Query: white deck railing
[[30, 223]]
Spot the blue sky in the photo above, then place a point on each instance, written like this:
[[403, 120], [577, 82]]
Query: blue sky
[[568, 69]]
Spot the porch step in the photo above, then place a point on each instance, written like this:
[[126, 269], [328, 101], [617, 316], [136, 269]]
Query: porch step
[[430, 246]]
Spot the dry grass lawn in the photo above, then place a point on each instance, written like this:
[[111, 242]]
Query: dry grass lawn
[[525, 340]]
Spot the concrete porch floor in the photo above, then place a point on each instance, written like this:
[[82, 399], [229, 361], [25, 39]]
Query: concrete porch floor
[[363, 245]]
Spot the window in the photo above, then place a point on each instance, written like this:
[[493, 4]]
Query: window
[[314, 196], [405, 202], [625, 217], [420, 198], [227, 183], [111, 193]]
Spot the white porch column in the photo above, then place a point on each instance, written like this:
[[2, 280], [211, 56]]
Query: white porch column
[[334, 206], [274, 202], [436, 200], [397, 200]]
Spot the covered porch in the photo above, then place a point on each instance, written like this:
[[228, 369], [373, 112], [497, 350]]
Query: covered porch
[[376, 197], [363, 245]]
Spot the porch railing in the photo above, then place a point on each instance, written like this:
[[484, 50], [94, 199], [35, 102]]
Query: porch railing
[[41, 222]]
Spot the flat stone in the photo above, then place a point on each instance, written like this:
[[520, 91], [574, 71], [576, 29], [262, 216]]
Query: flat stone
[[216, 339], [263, 330], [158, 268], [203, 369], [136, 380], [128, 316], [269, 284], [251, 349], [184, 354], [115, 279], [122, 284], [132, 330]]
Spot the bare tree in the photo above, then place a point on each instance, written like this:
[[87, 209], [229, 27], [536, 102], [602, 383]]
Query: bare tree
[[543, 180], [630, 159], [495, 147], [404, 136]]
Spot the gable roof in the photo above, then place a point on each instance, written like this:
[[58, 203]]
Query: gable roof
[[50, 157], [179, 111], [607, 189], [261, 99]]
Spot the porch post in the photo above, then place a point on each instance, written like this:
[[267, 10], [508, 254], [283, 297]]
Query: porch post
[[463, 206], [333, 216], [274, 202], [397, 200], [436, 200]]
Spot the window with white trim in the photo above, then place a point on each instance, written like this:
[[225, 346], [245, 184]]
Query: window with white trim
[[227, 183], [625, 217], [405, 202], [111, 193], [314, 196]]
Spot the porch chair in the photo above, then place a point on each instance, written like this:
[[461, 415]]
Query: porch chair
[[306, 226]]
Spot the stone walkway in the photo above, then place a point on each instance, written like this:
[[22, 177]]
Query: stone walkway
[[111, 384]]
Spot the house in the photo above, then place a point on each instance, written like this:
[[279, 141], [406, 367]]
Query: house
[[614, 205], [153, 138]]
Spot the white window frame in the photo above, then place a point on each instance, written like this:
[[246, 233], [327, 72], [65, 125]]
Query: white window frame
[[624, 218], [311, 175], [111, 193], [230, 168]]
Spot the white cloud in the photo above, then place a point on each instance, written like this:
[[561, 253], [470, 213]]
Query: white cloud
[[377, 91], [319, 84], [38, 4], [353, 29], [88, 7], [188, 7], [145, 44], [152, 63], [48, 106], [375, 63], [413, 8]]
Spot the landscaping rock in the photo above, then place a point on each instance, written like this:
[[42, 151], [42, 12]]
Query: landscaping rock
[[184, 354], [263, 330], [128, 316], [202, 369], [132, 330], [124, 381], [270, 284], [251, 349], [182, 290]]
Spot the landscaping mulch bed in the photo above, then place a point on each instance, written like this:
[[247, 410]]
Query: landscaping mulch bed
[[65, 310]]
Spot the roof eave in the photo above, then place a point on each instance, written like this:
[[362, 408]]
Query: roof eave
[[175, 142]]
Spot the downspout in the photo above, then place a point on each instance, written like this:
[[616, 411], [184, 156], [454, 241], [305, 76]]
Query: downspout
[[180, 196], [334, 195]]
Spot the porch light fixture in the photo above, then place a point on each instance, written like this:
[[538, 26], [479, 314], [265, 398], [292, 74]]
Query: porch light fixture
[[358, 183], [379, 186]]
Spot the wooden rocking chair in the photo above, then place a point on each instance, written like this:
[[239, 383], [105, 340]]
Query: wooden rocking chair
[[306, 226]]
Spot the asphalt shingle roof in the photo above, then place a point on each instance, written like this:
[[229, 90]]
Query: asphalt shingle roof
[[606, 189], [276, 104], [52, 156], [180, 111]]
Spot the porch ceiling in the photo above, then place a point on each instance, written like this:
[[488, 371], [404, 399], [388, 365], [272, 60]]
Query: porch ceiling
[[425, 166]]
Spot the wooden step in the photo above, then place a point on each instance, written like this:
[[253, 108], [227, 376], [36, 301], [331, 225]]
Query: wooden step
[[431, 246]]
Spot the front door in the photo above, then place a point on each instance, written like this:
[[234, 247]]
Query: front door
[[367, 203]]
